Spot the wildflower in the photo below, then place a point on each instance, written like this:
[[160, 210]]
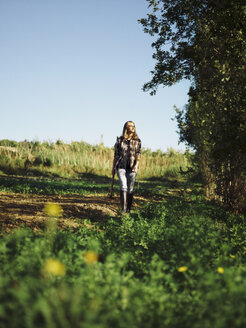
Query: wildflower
[[182, 269], [53, 210], [220, 270], [232, 256], [55, 267], [91, 257]]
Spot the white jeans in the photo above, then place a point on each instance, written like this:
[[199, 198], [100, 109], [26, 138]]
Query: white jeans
[[127, 180]]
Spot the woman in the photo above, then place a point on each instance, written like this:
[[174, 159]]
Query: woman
[[126, 162]]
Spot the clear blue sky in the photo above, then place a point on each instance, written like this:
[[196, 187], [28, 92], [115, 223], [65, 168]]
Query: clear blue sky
[[73, 70]]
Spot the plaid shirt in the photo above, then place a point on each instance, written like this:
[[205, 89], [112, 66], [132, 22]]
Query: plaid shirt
[[125, 152]]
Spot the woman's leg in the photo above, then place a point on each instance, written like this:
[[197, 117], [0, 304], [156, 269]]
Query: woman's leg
[[123, 188], [131, 178]]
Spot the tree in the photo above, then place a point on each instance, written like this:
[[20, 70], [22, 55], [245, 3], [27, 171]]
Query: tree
[[205, 41]]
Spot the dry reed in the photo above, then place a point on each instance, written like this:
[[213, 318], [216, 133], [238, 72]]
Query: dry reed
[[76, 158]]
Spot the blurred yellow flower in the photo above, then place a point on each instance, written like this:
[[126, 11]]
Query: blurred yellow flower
[[55, 267], [91, 257], [182, 269], [53, 210], [232, 256], [220, 270]]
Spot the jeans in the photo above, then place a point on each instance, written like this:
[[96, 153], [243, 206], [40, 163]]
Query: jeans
[[127, 180]]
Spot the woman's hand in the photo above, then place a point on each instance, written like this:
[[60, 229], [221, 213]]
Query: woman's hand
[[135, 169]]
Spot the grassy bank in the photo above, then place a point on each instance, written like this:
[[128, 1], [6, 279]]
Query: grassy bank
[[73, 160]]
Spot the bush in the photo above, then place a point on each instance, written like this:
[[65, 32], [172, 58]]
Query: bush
[[8, 143], [37, 161], [47, 162]]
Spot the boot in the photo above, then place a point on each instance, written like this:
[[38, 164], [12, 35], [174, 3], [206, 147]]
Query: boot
[[129, 202], [123, 195]]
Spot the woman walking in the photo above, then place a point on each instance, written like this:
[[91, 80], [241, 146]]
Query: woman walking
[[126, 162]]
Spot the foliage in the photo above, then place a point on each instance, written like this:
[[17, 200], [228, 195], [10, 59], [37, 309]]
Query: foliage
[[207, 45], [174, 264]]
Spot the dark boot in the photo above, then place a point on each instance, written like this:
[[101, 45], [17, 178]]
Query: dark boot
[[123, 197], [129, 202]]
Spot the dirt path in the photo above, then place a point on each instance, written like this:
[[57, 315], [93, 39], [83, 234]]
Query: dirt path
[[28, 210]]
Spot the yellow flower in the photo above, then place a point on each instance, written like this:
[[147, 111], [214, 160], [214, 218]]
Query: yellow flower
[[220, 270], [53, 210], [232, 256], [91, 257], [182, 269], [55, 267]]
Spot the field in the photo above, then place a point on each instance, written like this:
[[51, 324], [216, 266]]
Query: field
[[79, 160], [68, 258]]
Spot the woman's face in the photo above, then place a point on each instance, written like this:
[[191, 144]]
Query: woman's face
[[130, 128]]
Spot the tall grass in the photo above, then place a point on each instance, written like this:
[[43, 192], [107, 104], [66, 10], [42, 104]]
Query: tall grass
[[76, 158]]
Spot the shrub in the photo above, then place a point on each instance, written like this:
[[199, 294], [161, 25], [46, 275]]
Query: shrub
[[37, 161]]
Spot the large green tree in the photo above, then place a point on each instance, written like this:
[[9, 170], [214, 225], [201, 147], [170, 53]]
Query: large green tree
[[205, 41]]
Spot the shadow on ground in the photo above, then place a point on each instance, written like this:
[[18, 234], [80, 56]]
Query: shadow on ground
[[18, 209], [22, 199], [85, 185]]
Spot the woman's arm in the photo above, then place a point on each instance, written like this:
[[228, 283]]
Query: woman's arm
[[135, 167], [137, 158]]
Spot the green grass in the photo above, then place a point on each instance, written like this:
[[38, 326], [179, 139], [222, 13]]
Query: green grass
[[54, 187], [136, 281], [88, 184]]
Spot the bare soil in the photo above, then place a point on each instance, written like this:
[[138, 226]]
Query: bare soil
[[27, 210]]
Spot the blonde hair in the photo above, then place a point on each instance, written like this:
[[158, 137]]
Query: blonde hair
[[125, 134]]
